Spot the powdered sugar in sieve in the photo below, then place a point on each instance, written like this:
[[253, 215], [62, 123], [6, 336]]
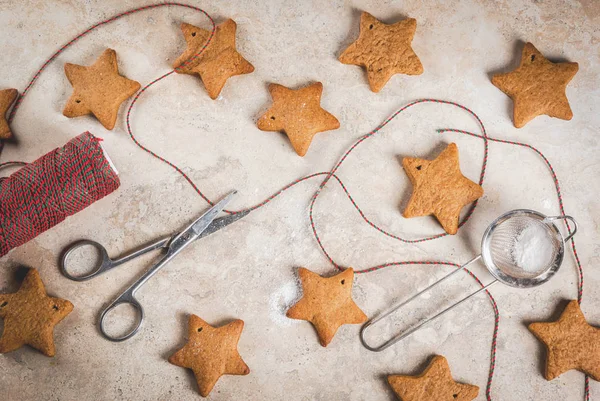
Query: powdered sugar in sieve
[[533, 248]]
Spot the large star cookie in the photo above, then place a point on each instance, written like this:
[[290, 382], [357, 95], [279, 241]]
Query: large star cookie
[[211, 352], [571, 343], [537, 87], [218, 62], [439, 188], [434, 384], [327, 303], [30, 316], [299, 114], [384, 50], [98, 89], [7, 97]]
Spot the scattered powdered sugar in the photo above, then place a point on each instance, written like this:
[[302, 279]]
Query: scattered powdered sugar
[[281, 300], [533, 248]]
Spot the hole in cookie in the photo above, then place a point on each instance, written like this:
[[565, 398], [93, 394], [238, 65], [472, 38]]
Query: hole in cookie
[[455, 395], [343, 282], [77, 101], [419, 167], [3, 304], [193, 33], [55, 307], [532, 57], [199, 329], [371, 26], [272, 117]]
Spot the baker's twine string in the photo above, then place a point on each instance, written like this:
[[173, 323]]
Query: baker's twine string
[[22, 95], [331, 174], [11, 164], [562, 212]]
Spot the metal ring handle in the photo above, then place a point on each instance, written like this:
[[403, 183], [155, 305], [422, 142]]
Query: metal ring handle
[[418, 326], [125, 298], [565, 217], [104, 263], [391, 341]]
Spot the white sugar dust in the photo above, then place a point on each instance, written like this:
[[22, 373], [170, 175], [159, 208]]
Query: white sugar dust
[[281, 300], [533, 249]]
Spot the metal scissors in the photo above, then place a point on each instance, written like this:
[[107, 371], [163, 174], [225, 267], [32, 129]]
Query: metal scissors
[[201, 227]]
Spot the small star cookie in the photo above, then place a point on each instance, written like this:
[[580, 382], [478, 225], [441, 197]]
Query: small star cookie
[[439, 188], [7, 97], [218, 62], [299, 114], [434, 384], [98, 89], [327, 303], [30, 316], [211, 352], [384, 50], [537, 87], [571, 343]]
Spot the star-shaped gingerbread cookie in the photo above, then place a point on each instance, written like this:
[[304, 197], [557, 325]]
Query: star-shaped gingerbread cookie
[[571, 343], [327, 303], [299, 114], [98, 89], [434, 384], [211, 352], [30, 316], [7, 97], [439, 188], [537, 87], [384, 50], [218, 62]]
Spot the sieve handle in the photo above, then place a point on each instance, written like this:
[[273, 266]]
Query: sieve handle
[[564, 217], [389, 342]]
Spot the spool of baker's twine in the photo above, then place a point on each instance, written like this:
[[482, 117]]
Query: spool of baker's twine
[[57, 185]]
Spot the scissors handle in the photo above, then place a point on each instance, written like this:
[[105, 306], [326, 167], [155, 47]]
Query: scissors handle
[[128, 296], [125, 298], [104, 262]]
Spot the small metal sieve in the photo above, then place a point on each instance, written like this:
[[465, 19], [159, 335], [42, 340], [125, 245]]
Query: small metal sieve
[[509, 237]]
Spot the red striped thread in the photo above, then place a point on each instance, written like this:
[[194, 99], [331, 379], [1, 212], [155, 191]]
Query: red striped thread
[[562, 211], [22, 95]]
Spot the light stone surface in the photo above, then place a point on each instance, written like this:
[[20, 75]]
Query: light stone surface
[[248, 270]]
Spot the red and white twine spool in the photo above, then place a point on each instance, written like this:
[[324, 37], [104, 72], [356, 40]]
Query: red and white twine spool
[[57, 185]]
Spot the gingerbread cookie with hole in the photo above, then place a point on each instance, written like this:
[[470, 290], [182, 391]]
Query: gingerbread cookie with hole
[[439, 188], [327, 303], [7, 98], [211, 352], [384, 50], [299, 114], [434, 384], [538, 86], [219, 60], [30, 316], [98, 89]]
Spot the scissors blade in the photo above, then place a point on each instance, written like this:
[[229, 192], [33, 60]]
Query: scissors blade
[[222, 222], [207, 218], [194, 230]]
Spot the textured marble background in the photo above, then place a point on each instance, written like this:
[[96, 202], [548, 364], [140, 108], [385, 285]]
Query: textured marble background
[[247, 271]]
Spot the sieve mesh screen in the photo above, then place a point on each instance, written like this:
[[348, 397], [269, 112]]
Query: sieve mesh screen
[[524, 246]]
